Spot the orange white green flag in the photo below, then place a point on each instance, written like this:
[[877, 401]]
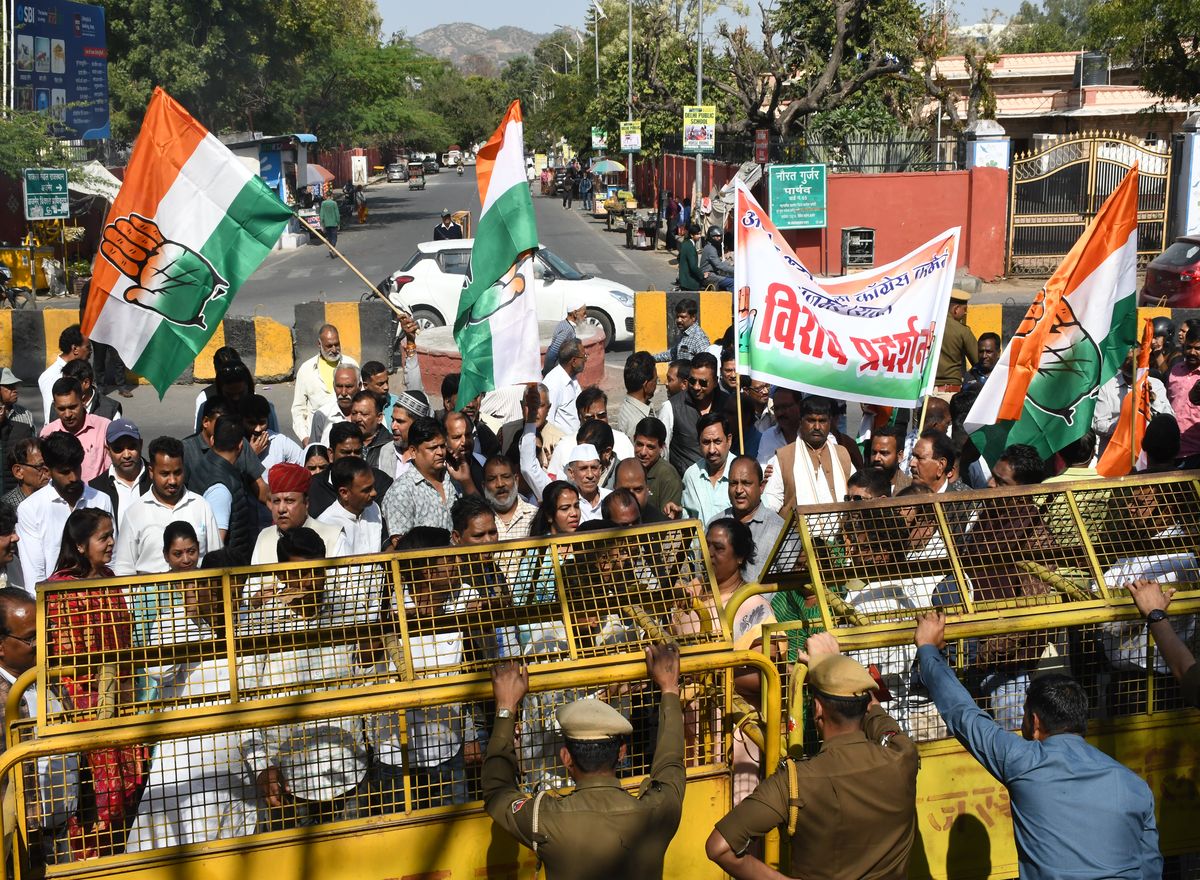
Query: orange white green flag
[[496, 329], [1125, 446], [189, 225], [1072, 340]]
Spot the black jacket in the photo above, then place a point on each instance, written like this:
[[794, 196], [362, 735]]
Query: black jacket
[[243, 519], [107, 484], [105, 407], [321, 493]]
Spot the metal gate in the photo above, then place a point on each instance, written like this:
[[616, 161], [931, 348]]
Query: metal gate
[[1057, 189]]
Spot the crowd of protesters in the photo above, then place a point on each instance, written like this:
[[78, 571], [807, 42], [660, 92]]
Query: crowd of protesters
[[368, 469]]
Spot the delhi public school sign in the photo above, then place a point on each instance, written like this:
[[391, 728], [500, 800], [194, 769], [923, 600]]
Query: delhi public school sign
[[797, 196]]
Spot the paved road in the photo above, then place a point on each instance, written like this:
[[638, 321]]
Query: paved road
[[401, 218]]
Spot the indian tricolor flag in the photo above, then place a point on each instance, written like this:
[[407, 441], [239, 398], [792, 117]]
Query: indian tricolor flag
[[1071, 341], [496, 329], [190, 224]]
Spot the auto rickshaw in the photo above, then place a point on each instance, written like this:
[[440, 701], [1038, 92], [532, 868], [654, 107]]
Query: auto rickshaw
[[416, 175]]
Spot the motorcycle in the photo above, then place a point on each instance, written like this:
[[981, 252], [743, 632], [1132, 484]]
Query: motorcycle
[[10, 292], [460, 171]]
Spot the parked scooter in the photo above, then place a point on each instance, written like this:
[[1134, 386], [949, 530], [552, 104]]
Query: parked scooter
[[16, 297]]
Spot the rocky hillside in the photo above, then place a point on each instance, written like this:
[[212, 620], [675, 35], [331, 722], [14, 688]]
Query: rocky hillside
[[460, 41]]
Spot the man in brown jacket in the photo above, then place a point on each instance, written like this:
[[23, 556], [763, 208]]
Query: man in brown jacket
[[851, 810], [598, 830]]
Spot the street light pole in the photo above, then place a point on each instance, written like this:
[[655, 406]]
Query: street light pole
[[597, 16], [629, 101], [698, 184]]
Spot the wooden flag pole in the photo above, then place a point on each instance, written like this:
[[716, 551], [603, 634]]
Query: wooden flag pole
[[375, 290], [737, 392]]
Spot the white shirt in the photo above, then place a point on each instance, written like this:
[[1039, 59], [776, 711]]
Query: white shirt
[[127, 493], [363, 534], [589, 512], [266, 548], [281, 449], [770, 441], [40, 521], [622, 449], [139, 547], [322, 759], [535, 475], [46, 382], [311, 392], [666, 415], [563, 391], [331, 414], [58, 775], [1108, 405]]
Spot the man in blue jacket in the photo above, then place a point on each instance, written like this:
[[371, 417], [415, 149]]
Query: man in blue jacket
[[1077, 813]]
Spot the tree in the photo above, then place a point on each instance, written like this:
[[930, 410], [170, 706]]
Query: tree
[[232, 64], [936, 42], [27, 140], [815, 55], [1055, 26], [1161, 38]]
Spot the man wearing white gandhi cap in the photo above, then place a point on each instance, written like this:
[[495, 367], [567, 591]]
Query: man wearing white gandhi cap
[[583, 470], [597, 830]]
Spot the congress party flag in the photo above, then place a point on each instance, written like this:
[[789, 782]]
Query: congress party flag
[[870, 337], [496, 329], [189, 225], [1072, 340], [1124, 448]]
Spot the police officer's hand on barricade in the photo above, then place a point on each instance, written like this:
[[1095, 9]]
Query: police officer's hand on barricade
[[510, 684], [662, 664], [818, 645]]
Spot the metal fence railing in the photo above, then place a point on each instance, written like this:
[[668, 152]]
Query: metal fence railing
[[852, 154]]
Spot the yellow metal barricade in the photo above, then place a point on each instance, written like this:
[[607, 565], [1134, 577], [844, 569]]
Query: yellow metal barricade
[[361, 686], [1032, 581]]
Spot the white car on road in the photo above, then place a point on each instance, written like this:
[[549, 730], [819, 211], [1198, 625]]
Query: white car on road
[[430, 282]]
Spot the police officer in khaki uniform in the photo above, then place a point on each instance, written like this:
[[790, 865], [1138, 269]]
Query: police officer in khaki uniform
[[598, 831], [851, 810], [958, 344]]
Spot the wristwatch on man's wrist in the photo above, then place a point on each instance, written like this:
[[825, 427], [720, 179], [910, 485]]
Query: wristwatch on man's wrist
[[1156, 615], [504, 713]]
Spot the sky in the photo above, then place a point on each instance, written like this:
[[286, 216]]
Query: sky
[[413, 17]]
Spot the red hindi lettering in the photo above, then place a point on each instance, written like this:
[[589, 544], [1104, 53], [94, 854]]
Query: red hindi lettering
[[782, 317]]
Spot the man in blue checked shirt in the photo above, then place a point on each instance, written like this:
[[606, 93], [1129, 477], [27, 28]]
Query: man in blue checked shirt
[[1076, 812]]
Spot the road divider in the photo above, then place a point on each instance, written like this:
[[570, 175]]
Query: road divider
[[365, 328]]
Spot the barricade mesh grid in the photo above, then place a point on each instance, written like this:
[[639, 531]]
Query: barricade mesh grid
[[120, 647], [196, 645], [217, 785], [1067, 545]]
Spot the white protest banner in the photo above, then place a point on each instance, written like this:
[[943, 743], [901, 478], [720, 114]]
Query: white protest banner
[[868, 337]]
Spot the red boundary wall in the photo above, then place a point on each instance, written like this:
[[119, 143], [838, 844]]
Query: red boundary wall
[[905, 210]]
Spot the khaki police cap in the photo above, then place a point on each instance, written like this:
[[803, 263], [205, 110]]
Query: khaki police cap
[[592, 719], [838, 676], [958, 295]]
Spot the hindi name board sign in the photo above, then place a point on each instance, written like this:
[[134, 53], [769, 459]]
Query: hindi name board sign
[[46, 196], [798, 196]]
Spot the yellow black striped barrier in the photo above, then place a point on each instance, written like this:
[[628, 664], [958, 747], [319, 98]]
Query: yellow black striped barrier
[[29, 344]]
